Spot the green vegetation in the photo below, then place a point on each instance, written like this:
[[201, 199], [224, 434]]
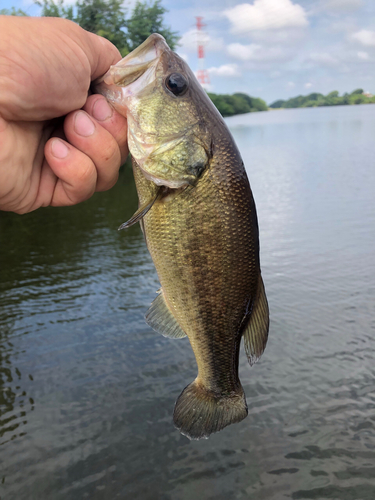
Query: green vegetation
[[109, 19], [236, 104], [331, 99], [12, 12], [147, 19]]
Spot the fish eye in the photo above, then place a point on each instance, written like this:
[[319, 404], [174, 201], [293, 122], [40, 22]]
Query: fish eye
[[177, 84]]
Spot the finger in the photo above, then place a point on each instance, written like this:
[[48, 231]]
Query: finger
[[97, 143], [75, 171], [100, 52], [98, 107]]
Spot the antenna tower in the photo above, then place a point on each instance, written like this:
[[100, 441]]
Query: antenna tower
[[202, 73]]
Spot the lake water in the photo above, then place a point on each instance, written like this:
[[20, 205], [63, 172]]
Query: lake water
[[88, 389]]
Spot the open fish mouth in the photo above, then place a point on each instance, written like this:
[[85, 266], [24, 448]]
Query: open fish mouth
[[134, 72], [161, 133], [123, 83]]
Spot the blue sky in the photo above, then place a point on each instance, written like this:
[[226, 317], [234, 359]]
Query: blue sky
[[275, 48]]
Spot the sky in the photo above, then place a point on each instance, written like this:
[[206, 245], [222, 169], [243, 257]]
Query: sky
[[273, 49]]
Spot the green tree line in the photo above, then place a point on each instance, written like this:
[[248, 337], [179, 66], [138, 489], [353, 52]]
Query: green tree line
[[332, 99], [108, 18], [237, 103], [12, 12]]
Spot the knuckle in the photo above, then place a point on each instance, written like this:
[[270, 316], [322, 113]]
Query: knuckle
[[86, 175], [104, 185]]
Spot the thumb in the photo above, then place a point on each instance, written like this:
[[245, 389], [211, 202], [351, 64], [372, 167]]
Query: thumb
[[100, 52]]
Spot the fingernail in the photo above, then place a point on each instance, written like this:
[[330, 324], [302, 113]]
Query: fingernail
[[102, 110], [83, 124], [59, 149]]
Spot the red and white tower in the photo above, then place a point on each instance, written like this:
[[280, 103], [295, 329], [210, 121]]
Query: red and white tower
[[202, 73]]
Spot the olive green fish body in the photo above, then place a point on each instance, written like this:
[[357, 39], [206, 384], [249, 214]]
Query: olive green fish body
[[204, 243], [200, 226]]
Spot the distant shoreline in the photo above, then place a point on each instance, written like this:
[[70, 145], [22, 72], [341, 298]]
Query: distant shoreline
[[324, 106], [237, 104], [316, 100], [240, 103]]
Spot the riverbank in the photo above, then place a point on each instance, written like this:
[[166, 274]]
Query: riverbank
[[333, 98]]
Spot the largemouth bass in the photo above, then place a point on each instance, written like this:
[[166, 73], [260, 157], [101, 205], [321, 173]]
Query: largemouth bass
[[199, 221]]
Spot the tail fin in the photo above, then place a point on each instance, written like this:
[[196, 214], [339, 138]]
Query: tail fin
[[199, 412]]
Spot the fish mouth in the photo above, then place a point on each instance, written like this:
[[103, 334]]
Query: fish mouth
[[124, 82], [133, 72]]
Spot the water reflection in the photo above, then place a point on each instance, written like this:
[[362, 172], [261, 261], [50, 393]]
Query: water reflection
[[73, 294], [48, 272], [15, 401]]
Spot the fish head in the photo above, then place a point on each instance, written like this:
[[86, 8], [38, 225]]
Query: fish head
[[162, 101]]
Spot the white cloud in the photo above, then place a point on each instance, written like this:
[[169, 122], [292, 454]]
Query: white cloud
[[365, 37], [308, 85], [207, 86], [266, 15], [189, 41], [244, 52], [255, 52], [185, 57], [343, 24], [363, 55], [226, 70], [285, 37], [28, 3], [291, 85], [323, 59], [342, 5]]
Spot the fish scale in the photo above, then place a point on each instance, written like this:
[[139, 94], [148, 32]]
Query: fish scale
[[199, 220], [199, 283]]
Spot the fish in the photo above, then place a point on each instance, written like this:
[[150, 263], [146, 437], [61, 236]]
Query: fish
[[199, 221]]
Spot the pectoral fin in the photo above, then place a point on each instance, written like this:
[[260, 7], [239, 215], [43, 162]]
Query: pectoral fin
[[141, 212], [256, 331], [160, 318]]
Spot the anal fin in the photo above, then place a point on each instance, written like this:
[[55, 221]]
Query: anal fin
[[160, 318], [255, 333]]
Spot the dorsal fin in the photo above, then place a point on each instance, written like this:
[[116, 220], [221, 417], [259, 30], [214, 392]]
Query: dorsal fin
[[160, 318], [256, 331]]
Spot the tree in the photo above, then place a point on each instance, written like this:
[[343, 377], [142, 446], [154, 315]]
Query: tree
[[331, 99], [146, 19], [12, 12], [254, 103], [50, 8], [278, 104], [236, 104], [106, 18]]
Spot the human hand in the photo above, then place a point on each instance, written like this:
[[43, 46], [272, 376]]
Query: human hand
[[52, 152]]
